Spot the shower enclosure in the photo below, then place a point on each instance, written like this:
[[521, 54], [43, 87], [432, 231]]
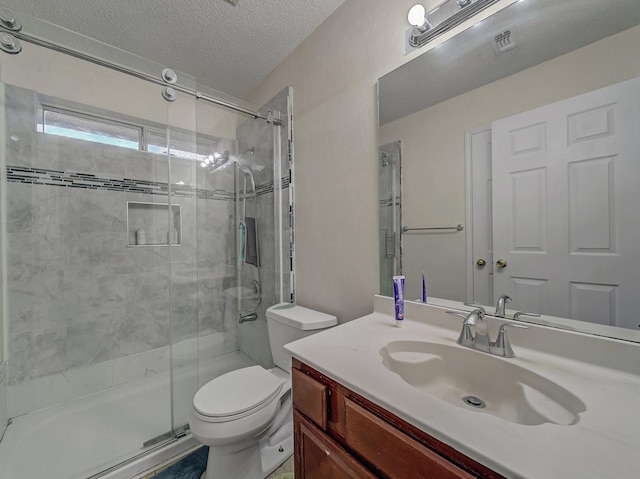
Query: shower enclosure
[[389, 214], [134, 267]]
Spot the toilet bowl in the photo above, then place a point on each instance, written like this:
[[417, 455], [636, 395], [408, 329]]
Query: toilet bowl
[[245, 416]]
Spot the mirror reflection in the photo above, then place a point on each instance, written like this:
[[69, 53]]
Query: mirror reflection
[[533, 150]]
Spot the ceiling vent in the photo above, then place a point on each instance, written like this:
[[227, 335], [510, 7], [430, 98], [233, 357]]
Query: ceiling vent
[[503, 40]]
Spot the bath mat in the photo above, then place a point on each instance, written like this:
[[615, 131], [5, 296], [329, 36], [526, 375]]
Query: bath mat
[[189, 467]]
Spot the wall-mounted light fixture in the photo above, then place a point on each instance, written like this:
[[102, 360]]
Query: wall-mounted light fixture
[[447, 15], [215, 159]]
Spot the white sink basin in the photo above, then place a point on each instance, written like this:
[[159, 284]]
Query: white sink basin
[[480, 382]]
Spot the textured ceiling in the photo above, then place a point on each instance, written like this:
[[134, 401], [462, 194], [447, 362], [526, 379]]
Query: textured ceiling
[[226, 47]]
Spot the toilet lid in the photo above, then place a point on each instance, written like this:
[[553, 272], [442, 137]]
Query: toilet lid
[[237, 392]]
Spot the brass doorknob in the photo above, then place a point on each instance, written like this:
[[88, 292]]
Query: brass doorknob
[[501, 263], [481, 263]]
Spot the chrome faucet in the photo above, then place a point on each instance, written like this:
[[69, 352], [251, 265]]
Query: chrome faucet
[[481, 340], [503, 299]]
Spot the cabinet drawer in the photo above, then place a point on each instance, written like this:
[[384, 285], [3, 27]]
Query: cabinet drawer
[[310, 397], [320, 457], [394, 453]]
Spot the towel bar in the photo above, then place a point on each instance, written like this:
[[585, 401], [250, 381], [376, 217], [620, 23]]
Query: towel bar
[[457, 228]]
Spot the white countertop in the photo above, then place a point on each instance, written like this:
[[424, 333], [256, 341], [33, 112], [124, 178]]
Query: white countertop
[[603, 373]]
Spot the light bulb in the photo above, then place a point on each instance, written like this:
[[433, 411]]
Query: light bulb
[[416, 15], [217, 155], [203, 164]]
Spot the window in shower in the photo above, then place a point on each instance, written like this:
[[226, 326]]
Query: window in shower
[[181, 145], [110, 130], [81, 126]]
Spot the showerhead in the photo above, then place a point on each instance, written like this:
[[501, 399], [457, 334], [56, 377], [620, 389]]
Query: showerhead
[[248, 174], [223, 161]]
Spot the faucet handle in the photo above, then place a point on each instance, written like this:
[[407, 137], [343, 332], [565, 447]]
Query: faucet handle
[[522, 313], [502, 347], [477, 306], [504, 326], [474, 316], [466, 336]]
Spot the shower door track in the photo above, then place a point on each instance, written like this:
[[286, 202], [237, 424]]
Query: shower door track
[[179, 432], [159, 446], [198, 95], [150, 446]]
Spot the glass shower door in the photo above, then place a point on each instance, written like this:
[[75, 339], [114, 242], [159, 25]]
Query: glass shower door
[[390, 215], [93, 235], [184, 156]]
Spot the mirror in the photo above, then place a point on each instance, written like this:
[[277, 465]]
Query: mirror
[[441, 103]]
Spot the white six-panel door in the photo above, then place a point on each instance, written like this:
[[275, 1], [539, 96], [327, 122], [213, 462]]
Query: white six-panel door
[[480, 286], [566, 206]]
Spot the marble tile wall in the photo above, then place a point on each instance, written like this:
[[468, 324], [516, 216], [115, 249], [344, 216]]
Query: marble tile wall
[[4, 408], [78, 297], [87, 312], [60, 387], [3, 365], [254, 340]]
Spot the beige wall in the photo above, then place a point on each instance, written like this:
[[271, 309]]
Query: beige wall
[[62, 76], [334, 75], [334, 98], [433, 147]]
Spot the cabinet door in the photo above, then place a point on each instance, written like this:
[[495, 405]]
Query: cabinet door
[[310, 397], [320, 457]]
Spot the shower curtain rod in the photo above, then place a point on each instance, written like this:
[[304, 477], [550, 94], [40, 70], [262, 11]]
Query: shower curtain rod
[[143, 76]]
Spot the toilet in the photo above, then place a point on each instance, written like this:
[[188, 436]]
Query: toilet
[[246, 416]]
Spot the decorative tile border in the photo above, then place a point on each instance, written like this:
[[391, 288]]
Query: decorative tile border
[[41, 176], [268, 187], [389, 201]]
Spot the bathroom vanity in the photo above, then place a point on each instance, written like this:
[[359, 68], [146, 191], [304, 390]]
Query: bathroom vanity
[[372, 400], [339, 433]]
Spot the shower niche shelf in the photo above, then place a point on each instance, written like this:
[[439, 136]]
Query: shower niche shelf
[[153, 224]]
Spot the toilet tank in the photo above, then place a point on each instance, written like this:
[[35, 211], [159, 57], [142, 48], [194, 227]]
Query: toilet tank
[[288, 322]]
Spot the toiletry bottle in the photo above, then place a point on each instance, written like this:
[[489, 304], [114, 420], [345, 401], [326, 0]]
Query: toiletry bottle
[[398, 299], [141, 236], [423, 295]]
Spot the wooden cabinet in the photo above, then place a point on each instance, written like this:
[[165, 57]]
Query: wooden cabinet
[[339, 434], [321, 457]]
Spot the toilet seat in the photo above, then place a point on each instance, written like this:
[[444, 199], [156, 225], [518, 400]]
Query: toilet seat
[[237, 394]]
